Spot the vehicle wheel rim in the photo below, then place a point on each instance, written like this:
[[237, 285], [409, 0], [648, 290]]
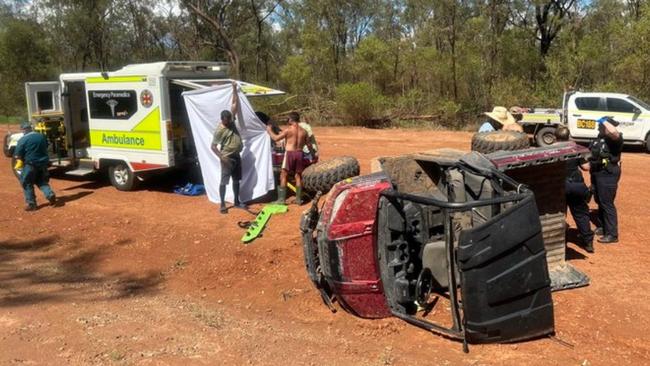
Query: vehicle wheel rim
[[121, 175], [548, 138]]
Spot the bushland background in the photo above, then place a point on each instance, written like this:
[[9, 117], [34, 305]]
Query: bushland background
[[436, 63]]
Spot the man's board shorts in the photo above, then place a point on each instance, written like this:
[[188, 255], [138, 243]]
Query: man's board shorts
[[293, 162], [231, 168]]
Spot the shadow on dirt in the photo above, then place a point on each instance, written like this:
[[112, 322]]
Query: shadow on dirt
[[163, 182], [89, 185], [50, 269], [573, 236], [572, 254], [62, 200]]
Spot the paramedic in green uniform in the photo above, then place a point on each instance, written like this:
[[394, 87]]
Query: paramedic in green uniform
[[32, 156], [227, 145]]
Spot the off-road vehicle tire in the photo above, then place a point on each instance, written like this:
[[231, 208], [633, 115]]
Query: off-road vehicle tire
[[647, 143], [122, 177], [5, 147], [546, 136], [324, 175], [489, 142]]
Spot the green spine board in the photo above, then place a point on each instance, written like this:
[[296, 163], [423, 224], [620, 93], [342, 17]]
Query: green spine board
[[257, 226]]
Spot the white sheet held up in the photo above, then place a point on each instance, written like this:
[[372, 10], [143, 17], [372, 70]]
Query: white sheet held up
[[204, 108]]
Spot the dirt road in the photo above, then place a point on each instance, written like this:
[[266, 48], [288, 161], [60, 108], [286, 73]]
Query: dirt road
[[153, 278]]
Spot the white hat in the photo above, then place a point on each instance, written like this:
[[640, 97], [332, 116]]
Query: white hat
[[501, 115]]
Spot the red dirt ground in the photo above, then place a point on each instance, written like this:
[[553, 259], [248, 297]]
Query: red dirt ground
[[153, 278]]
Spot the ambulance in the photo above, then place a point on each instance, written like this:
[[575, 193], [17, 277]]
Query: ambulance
[[129, 124]]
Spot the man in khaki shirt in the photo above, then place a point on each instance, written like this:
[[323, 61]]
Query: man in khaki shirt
[[227, 145]]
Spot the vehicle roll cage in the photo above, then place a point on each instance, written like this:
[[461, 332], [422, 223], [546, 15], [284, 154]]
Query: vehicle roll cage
[[457, 330]]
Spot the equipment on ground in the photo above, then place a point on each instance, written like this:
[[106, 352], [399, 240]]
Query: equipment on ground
[[255, 227]]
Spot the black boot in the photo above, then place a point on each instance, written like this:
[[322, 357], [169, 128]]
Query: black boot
[[608, 239], [589, 247], [235, 191]]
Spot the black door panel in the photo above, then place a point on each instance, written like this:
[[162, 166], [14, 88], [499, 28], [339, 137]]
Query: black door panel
[[505, 284], [501, 234]]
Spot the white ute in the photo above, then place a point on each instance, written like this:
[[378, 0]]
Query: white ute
[[579, 113]]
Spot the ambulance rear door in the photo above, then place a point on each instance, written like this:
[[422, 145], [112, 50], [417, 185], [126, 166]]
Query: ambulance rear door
[[43, 97]]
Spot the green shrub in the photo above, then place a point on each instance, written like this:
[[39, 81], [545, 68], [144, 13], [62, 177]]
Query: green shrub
[[448, 110], [360, 103]]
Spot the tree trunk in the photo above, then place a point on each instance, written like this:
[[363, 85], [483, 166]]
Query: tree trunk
[[452, 43], [227, 45]]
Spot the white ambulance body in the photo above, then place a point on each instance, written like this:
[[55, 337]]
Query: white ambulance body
[[129, 123]]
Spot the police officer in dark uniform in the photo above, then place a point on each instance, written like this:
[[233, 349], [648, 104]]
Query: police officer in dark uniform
[[577, 198], [605, 168]]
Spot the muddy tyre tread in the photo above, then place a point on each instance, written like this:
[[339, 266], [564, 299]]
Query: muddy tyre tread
[[324, 175], [489, 142]]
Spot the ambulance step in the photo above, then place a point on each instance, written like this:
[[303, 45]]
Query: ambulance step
[[84, 168], [60, 164]]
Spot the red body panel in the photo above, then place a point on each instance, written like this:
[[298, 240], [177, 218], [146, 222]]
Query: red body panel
[[506, 160], [353, 230]]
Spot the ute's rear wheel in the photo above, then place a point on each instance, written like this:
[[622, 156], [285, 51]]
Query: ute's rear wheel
[[122, 177], [488, 142], [324, 175], [546, 136]]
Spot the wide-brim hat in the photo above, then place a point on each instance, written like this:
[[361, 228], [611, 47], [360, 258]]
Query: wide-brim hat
[[501, 115]]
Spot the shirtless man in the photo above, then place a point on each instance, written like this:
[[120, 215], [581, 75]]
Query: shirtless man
[[295, 140]]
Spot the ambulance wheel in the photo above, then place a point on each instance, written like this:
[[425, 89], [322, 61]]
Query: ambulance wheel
[[546, 136], [122, 177], [647, 143]]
